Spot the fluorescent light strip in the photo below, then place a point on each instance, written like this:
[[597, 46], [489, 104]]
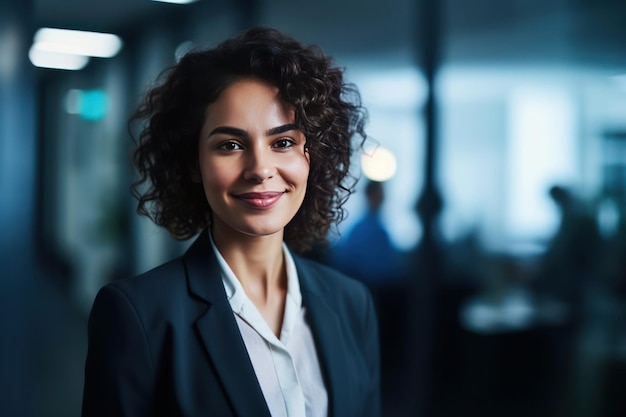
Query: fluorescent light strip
[[77, 42], [44, 59], [176, 1]]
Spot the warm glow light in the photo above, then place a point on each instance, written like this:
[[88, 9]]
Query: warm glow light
[[77, 42], [378, 164], [44, 59]]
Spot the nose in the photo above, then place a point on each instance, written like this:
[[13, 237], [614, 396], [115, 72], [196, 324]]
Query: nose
[[259, 165]]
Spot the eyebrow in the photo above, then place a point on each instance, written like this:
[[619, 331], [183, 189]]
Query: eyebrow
[[282, 129], [234, 131]]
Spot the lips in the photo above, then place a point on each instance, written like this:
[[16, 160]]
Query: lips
[[260, 200]]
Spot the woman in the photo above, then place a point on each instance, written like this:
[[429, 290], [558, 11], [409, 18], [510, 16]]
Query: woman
[[248, 145]]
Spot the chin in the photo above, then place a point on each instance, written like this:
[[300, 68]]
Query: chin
[[261, 231]]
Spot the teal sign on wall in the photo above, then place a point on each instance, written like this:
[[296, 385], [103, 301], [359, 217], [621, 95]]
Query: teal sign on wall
[[88, 104]]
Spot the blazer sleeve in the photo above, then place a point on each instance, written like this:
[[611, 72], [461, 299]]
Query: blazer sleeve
[[119, 373]]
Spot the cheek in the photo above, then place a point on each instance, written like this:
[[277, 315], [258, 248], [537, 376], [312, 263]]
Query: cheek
[[215, 177], [299, 170], [300, 165]]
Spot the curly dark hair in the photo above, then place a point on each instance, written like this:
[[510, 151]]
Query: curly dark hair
[[327, 110]]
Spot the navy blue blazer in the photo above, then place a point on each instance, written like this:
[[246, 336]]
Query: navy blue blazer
[[166, 343]]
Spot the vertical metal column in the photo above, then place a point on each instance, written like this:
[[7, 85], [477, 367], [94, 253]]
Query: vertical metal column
[[427, 269], [429, 53]]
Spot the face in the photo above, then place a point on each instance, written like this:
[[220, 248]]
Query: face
[[253, 162]]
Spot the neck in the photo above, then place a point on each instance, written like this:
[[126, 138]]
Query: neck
[[257, 261]]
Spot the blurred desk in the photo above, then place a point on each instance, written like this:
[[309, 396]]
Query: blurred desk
[[506, 356]]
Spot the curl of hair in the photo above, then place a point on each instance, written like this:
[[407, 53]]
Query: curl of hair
[[327, 110]]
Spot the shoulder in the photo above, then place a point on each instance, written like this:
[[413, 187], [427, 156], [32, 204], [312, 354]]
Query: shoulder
[[325, 276], [336, 288], [164, 277], [147, 292]]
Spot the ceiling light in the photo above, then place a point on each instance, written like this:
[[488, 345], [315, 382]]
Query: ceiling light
[[176, 1], [45, 59], [77, 42]]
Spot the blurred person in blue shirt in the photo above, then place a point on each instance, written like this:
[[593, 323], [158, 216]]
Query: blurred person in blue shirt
[[367, 252]]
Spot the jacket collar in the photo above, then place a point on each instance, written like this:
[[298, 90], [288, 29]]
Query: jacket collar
[[200, 265], [319, 301], [219, 334]]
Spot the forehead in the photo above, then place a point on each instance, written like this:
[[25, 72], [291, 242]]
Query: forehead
[[249, 103]]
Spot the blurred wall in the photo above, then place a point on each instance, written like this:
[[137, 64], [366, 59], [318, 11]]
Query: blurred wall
[[18, 179]]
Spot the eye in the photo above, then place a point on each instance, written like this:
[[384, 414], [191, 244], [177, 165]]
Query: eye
[[230, 146], [283, 143]]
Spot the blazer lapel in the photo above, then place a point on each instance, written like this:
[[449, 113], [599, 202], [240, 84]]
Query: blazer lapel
[[329, 340], [218, 332]]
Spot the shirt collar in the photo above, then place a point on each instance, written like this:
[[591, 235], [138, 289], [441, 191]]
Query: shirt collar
[[234, 290]]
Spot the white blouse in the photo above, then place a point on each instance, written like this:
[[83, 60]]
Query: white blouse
[[288, 369]]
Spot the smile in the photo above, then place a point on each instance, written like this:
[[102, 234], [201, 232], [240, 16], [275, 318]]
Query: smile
[[260, 200]]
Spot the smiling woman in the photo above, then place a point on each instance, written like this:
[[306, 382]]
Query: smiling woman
[[246, 145], [253, 161]]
